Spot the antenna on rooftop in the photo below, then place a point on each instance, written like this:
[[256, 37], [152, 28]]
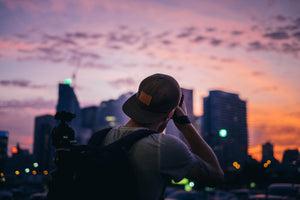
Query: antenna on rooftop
[[72, 80]]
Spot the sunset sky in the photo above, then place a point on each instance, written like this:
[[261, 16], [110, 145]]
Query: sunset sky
[[248, 47]]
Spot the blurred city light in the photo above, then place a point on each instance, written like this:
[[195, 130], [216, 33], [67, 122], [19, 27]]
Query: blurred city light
[[27, 170], [45, 172], [35, 164], [252, 185], [68, 81], [17, 172], [223, 133], [184, 181], [14, 150], [236, 165], [187, 188], [34, 172], [191, 184]]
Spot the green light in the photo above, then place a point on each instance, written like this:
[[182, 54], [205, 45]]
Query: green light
[[35, 164], [68, 81], [27, 170], [223, 133], [188, 188], [184, 181], [252, 184], [191, 184]]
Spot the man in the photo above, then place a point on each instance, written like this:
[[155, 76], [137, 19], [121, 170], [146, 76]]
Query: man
[[158, 158]]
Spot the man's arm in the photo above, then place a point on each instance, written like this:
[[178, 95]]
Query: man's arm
[[206, 170]]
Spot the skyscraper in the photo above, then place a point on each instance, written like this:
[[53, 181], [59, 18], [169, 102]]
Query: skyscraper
[[42, 149], [224, 127], [3, 148], [67, 101], [110, 113], [290, 156], [268, 154], [88, 115]]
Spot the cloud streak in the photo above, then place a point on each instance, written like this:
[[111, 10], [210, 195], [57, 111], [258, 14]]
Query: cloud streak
[[22, 84], [38, 103]]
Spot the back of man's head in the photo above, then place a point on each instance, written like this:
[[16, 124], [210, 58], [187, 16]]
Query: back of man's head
[[157, 96]]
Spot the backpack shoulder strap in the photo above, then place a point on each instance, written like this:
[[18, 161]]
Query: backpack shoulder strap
[[127, 141], [98, 137]]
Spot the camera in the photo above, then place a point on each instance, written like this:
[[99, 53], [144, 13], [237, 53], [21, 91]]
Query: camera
[[63, 135]]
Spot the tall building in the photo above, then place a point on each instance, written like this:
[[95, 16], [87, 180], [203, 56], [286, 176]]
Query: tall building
[[3, 148], [110, 113], [290, 156], [224, 127], [43, 150], [88, 115], [188, 99], [268, 154], [67, 101]]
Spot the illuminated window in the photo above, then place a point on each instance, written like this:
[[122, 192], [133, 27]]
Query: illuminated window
[[110, 118]]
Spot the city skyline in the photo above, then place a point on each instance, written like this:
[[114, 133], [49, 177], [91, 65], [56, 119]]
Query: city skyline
[[69, 101], [246, 47]]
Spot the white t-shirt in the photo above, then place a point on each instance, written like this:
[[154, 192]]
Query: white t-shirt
[[155, 158]]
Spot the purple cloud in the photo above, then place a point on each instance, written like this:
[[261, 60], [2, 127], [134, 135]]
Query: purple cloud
[[297, 35], [237, 32], [58, 39], [199, 38], [38, 103], [126, 38], [123, 82], [233, 45], [215, 42], [210, 29], [186, 32], [15, 83], [277, 35], [280, 18], [291, 48], [257, 45], [297, 22], [21, 83], [166, 42]]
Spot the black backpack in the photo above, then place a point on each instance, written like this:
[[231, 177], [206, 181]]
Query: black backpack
[[96, 172]]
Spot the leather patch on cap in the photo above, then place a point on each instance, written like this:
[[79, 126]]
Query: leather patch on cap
[[145, 98]]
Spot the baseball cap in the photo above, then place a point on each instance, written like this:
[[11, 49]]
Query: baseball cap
[[157, 95]]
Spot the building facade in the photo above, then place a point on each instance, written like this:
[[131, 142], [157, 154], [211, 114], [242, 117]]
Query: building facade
[[43, 151], [3, 148], [224, 127]]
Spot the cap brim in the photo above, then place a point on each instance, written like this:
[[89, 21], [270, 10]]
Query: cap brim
[[133, 110]]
